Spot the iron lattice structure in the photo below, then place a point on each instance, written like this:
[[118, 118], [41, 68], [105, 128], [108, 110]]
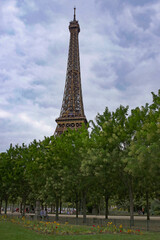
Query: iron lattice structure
[[72, 111]]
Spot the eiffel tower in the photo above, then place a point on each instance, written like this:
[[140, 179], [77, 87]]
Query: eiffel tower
[[72, 111]]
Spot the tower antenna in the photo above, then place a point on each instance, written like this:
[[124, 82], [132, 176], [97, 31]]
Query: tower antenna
[[74, 14]]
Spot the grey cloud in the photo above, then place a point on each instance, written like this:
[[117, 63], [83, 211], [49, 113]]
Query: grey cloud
[[41, 12], [116, 5], [144, 19], [141, 2], [119, 52]]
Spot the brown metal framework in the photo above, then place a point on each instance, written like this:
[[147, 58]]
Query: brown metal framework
[[72, 111]]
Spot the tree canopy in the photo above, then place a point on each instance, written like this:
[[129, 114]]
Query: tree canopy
[[118, 158]]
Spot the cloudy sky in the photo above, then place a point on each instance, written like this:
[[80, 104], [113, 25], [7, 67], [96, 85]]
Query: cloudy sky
[[119, 54]]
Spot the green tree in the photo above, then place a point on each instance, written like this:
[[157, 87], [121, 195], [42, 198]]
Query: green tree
[[144, 151], [108, 136], [36, 170], [7, 177]]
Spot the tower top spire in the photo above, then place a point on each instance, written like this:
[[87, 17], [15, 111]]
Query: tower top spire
[[74, 19]]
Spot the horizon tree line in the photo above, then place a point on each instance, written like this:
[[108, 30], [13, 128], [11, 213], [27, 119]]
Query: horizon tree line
[[117, 160]]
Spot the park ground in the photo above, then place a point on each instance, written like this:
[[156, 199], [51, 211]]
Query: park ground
[[12, 231]]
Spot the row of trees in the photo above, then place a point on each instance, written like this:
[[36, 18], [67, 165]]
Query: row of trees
[[119, 158]]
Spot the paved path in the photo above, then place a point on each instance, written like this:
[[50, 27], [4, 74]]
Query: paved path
[[111, 217], [99, 216]]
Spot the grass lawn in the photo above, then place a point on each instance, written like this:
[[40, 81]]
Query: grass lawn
[[10, 231]]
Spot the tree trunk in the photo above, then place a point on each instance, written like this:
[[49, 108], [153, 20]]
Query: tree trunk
[[6, 203], [99, 207], [57, 205], [0, 206], [23, 208], [60, 210], [37, 209], [80, 206], [147, 204], [20, 208], [52, 208], [12, 208], [106, 211], [131, 204], [84, 207], [77, 206]]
